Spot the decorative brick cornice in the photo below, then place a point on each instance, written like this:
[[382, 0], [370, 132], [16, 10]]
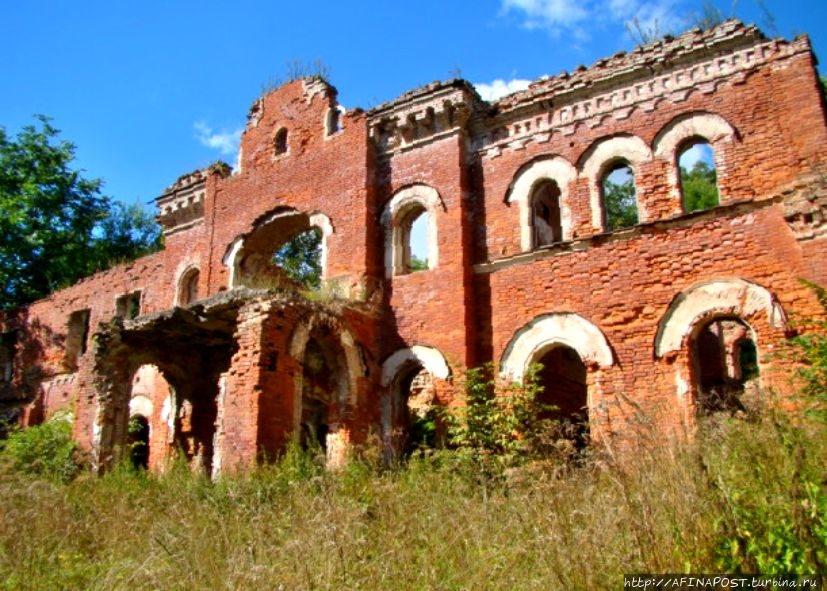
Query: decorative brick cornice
[[182, 203], [422, 115]]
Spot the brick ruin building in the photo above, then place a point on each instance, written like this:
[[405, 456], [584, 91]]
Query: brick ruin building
[[209, 347]]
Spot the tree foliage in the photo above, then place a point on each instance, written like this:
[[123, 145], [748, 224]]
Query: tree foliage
[[621, 204], [300, 258], [55, 226], [418, 264], [699, 186]]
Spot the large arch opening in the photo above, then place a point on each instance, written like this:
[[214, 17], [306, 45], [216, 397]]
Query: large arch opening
[[285, 250], [724, 358], [564, 386]]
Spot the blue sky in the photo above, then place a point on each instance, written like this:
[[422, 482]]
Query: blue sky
[[148, 91]]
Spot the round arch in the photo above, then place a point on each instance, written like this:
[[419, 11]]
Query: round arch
[[706, 300], [428, 357], [713, 128], [254, 247], [629, 148], [568, 329]]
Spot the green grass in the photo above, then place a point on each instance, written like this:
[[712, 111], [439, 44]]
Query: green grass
[[742, 497]]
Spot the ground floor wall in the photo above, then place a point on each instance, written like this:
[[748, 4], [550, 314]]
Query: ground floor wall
[[633, 306]]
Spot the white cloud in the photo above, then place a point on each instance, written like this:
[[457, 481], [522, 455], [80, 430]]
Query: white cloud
[[499, 88], [549, 14], [225, 142], [578, 18]]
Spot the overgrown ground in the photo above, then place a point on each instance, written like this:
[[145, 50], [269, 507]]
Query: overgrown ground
[[743, 497]]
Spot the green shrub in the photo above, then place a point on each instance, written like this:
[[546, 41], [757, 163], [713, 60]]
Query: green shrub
[[45, 450], [809, 349]]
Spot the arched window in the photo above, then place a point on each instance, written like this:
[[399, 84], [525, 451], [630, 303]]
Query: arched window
[[409, 220], [619, 196], [545, 213], [698, 175], [333, 121], [540, 191], [188, 287], [280, 142]]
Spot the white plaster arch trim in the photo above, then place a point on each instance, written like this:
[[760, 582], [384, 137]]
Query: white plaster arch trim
[[725, 297], [556, 169], [632, 149], [232, 259], [428, 198], [140, 405], [709, 126], [429, 358], [571, 330]]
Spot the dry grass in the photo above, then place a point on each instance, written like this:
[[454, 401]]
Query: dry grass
[[428, 525]]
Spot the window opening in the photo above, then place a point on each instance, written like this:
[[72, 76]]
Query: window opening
[[619, 197], [77, 336], [545, 207], [128, 306], [188, 291], [699, 177], [280, 141], [334, 121], [8, 349]]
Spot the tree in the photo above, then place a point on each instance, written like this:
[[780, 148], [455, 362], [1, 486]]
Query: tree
[[700, 187], [55, 226], [126, 233], [300, 258], [621, 204]]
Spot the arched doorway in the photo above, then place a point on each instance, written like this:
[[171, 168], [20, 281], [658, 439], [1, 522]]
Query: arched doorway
[[562, 378], [414, 421], [724, 365], [138, 441]]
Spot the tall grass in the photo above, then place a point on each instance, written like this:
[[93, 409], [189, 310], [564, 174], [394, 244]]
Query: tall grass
[[745, 497]]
